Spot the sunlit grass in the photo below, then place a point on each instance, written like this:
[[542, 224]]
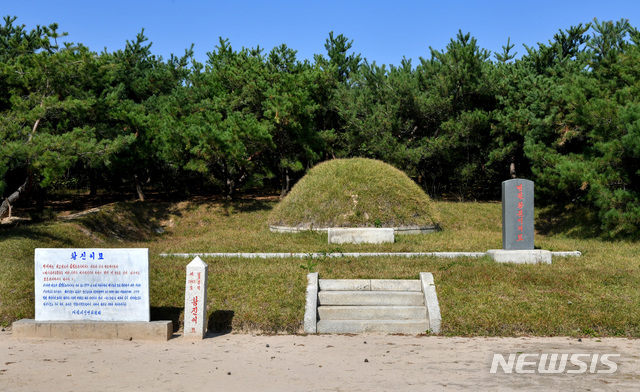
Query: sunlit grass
[[595, 294]]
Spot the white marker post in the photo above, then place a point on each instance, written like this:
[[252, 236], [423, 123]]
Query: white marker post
[[195, 299]]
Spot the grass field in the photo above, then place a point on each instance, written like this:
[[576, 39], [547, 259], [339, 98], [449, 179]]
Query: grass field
[[597, 294]]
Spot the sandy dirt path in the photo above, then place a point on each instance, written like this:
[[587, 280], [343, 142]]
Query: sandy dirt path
[[240, 362]]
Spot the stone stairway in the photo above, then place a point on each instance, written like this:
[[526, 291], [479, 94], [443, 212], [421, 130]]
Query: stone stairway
[[371, 305]]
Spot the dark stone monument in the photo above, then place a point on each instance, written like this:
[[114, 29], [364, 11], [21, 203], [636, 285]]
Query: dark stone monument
[[517, 214]]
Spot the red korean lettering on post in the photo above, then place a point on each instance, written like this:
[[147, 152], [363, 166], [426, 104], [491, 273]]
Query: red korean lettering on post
[[520, 213], [194, 310]]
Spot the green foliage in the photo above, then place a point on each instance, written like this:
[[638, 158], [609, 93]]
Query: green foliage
[[564, 115], [340, 64], [570, 115], [290, 106], [459, 85], [506, 54], [216, 126], [43, 126]]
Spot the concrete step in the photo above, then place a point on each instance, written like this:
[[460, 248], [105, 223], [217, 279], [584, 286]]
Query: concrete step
[[369, 285], [372, 312], [373, 298], [363, 326]]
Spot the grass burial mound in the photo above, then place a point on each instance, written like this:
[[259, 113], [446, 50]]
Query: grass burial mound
[[354, 192]]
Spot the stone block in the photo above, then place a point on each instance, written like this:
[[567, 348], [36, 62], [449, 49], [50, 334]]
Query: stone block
[[154, 330], [520, 256], [105, 330], [361, 235], [311, 306], [372, 312], [345, 284], [74, 330], [138, 330], [395, 285], [431, 301], [373, 326], [371, 298], [517, 214]]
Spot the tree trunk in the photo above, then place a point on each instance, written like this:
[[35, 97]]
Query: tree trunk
[[41, 197], [230, 183], [286, 187], [5, 207], [512, 170], [93, 185], [138, 188]]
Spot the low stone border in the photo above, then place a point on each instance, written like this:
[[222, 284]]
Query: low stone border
[[396, 230], [322, 255], [431, 301], [447, 255], [311, 306]]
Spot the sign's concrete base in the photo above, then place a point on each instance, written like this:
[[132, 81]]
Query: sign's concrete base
[[128, 330], [533, 256]]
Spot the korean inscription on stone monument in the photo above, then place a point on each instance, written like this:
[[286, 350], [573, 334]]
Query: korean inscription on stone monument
[[517, 214]]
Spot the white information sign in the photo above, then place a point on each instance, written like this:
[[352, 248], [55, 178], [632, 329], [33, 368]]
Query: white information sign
[[92, 284]]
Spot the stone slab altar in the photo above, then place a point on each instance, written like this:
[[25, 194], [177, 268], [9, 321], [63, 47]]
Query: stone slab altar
[[533, 256], [360, 235]]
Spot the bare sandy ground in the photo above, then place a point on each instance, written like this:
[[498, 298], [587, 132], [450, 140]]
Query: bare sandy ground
[[238, 362]]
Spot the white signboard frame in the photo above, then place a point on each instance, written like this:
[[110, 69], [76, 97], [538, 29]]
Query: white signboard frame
[[92, 284]]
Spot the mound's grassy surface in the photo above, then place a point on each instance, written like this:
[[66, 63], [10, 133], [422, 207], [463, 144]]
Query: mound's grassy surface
[[354, 192]]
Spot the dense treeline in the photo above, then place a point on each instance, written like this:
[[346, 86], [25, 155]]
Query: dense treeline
[[566, 115]]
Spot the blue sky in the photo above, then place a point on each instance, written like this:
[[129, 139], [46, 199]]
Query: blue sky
[[382, 31]]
